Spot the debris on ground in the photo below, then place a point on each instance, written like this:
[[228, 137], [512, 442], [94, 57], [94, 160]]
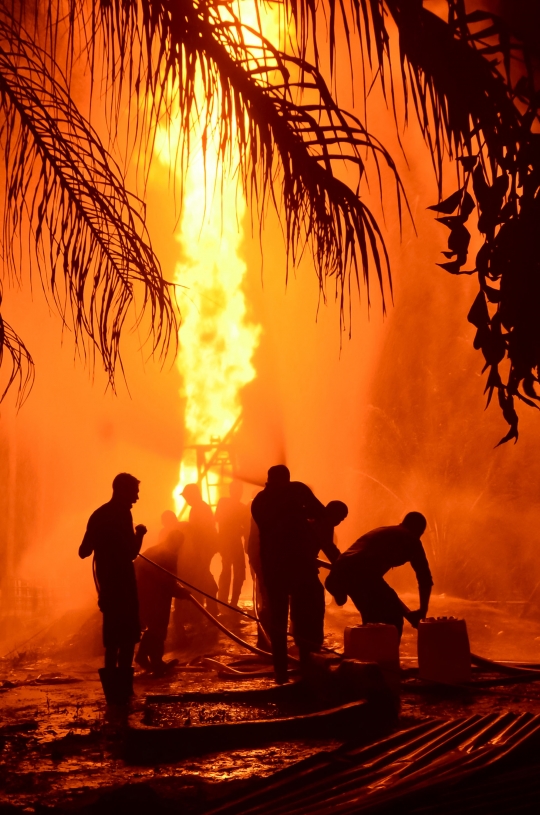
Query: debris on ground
[[62, 753]]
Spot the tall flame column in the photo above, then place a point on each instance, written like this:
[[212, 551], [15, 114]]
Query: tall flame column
[[216, 340]]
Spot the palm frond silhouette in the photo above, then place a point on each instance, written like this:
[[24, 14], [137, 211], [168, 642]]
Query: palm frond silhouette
[[62, 187], [468, 79]]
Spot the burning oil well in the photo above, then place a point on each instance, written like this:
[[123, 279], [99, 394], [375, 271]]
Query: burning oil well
[[385, 413]]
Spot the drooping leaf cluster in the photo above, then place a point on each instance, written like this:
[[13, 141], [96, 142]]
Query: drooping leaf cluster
[[272, 113], [471, 82], [65, 211], [22, 366], [502, 182]]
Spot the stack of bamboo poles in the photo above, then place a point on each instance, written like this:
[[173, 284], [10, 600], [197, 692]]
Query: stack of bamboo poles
[[463, 765]]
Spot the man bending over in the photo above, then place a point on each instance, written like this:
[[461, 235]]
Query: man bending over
[[359, 573]]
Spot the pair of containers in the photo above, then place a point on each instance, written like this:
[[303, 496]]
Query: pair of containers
[[444, 653]]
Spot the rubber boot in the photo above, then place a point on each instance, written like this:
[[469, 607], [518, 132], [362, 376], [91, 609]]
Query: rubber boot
[[117, 684], [125, 684], [108, 683]]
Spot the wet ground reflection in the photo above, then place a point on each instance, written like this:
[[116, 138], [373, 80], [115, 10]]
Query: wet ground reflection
[[59, 749]]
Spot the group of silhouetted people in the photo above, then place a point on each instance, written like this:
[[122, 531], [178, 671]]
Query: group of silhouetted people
[[287, 530]]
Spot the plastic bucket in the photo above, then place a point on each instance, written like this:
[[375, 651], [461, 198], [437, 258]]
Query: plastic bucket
[[375, 642]]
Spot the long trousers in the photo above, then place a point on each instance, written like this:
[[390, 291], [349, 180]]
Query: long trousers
[[121, 625], [377, 602], [232, 562], [120, 656], [304, 595]]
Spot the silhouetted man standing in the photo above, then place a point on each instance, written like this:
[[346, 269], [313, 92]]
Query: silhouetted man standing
[[359, 572], [233, 521], [204, 538], [110, 537], [282, 512]]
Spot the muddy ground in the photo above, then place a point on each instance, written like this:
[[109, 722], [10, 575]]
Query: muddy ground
[[61, 753]]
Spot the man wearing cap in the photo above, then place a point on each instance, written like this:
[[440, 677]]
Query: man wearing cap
[[359, 573], [115, 544]]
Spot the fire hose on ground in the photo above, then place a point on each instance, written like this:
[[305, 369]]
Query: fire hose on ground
[[209, 616], [522, 670]]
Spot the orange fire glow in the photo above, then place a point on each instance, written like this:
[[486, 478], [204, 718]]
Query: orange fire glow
[[217, 341]]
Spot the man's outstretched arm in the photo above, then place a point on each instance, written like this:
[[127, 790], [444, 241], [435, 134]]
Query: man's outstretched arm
[[335, 585], [330, 549], [86, 548]]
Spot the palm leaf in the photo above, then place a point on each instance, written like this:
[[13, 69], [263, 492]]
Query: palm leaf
[[22, 366], [277, 119], [471, 84], [65, 199]]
